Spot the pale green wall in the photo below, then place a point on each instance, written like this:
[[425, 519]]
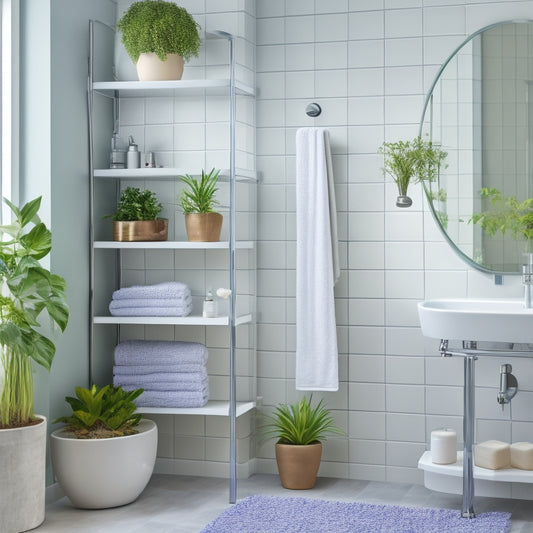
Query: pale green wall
[[54, 163]]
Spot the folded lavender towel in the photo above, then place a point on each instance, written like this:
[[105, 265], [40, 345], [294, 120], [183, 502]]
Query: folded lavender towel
[[159, 352], [198, 386], [166, 289], [136, 370], [147, 380], [152, 311], [172, 399], [151, 302]]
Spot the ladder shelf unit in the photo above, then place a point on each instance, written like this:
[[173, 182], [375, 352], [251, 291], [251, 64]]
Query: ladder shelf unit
[[203, 88]]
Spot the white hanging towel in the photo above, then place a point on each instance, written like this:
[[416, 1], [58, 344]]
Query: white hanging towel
[[317, 263]]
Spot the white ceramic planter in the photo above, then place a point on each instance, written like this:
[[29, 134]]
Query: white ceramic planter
[[151, 68], [102, 473], [22, 471]]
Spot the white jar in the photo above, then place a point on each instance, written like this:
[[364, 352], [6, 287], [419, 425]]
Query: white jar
[[444, 446]]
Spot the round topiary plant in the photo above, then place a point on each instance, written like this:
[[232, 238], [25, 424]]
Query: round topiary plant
[[159, 27]]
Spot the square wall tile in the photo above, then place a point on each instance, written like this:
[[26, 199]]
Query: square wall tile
[[405, 427]]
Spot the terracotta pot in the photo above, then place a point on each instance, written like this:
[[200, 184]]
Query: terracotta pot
[[140, 230], [203, 227], [151, 68], [298, 464], [22, 490]]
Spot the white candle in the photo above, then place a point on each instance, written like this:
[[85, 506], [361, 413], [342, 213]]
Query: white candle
[[444, 446]]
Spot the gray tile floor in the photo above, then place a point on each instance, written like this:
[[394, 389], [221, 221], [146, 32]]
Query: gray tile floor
[[182, 504]]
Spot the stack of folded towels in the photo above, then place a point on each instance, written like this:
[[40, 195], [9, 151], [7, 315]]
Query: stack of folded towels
[[172, 373], [170, 298]]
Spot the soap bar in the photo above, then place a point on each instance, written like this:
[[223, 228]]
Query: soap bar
[[492, 454], [522, 455]]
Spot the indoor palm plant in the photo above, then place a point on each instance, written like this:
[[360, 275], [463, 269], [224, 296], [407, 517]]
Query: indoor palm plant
[[105, 454], [300, 429], [411, 161], [198, 202], [28, 289], [136, 217], [159, 36]]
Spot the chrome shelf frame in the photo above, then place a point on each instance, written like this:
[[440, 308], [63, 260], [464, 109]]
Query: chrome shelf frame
[[232, 87]]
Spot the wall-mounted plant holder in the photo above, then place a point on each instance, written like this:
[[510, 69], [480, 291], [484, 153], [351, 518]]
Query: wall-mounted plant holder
[[404, 201]]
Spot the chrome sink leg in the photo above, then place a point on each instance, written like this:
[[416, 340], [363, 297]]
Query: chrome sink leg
[[468, 437]]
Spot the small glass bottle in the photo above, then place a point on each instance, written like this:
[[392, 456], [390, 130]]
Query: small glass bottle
[[210, 306], [117, 157]]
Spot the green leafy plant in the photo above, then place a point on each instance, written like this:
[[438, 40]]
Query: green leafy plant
[[160, 27], [415, 160], [99, 413], [199, 197], [28, 289], [506, 215], [135, 204], [300, 423]]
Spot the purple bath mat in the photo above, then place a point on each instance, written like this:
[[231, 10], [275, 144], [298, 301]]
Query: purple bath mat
[[274, 514]]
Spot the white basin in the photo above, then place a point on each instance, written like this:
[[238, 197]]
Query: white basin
[[477, 320]]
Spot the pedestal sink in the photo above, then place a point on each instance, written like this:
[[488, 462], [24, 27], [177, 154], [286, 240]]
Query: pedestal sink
[[472, 321], [477, 320]]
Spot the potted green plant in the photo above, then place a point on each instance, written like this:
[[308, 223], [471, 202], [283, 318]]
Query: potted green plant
[[506, 215], [407, 161], [28, 289], [198, 203], [136, 217], [300, 430], [105, 455], [159, 36]]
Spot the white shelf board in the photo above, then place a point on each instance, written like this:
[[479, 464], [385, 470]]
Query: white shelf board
[[168, 173], [212, 408], [510, 475], [171, 245], [131, 89], [172, 320]]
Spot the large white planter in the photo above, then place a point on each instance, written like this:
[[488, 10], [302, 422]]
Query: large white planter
[[151, 68], [22, 475], [102, 473]]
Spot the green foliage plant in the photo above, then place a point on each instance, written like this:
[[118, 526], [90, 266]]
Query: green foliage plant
[[199, 195], [415, 161], [300, 423], [506, 215], [99, 413], [27, 290], [159, 27], [135, 204]]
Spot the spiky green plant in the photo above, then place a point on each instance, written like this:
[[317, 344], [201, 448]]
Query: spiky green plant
[[505, 214], [159, 27], [135, 204], [300, 423], [415, 161], [99, 413], [199, 197], [27, 290]]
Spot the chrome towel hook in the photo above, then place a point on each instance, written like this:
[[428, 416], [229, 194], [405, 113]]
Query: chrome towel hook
[[313, 110]]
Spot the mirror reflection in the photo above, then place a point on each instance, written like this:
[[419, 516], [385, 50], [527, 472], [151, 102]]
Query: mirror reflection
[[478, 111]]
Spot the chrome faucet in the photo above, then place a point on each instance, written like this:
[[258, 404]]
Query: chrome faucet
[[527, 280], [508, 385]]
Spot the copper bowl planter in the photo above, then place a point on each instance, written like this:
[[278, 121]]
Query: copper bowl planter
[[298, 464], [203, 227], [140, 230]]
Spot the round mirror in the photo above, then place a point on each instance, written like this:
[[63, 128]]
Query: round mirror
[[478, 111]]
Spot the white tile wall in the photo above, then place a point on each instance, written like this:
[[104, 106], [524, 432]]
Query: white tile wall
[[369, 63]]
